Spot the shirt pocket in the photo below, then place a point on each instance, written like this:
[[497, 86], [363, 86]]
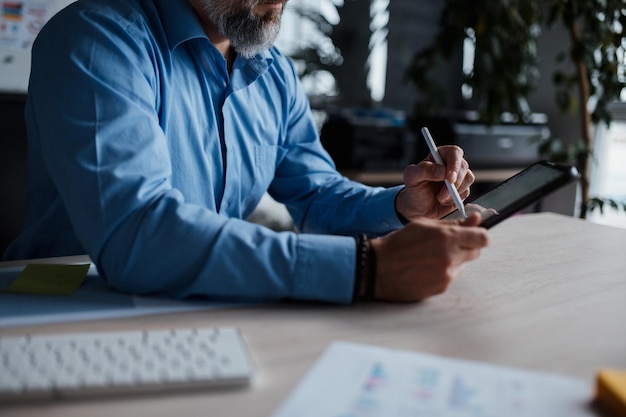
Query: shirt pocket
[[263, 171]]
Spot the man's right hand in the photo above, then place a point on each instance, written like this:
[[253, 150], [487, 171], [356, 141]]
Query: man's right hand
[[425, 256]]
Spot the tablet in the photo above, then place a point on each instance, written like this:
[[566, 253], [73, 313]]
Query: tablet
[[518, 192]]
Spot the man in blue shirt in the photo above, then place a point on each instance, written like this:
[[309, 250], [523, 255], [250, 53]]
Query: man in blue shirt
[[155, 127]]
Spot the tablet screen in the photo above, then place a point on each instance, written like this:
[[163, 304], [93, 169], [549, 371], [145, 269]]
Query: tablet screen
[[519, 191], [534, 178]]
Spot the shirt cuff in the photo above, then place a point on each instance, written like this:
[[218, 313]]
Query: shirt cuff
[[325, 268], [383, 206]]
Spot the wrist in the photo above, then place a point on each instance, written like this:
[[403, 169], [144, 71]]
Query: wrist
[[401, 217]]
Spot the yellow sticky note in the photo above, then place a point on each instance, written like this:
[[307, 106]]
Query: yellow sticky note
[[49, 279], [611, 391]]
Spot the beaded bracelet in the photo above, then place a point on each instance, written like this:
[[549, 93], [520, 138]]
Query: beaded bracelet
[[361, 258], [364, 256], [371, 276]]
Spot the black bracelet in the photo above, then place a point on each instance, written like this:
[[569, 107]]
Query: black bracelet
[[361, 257], [371, 276]]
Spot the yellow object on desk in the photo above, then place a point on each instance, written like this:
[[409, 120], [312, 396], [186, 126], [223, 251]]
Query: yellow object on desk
[[611, 392], [49, 279]]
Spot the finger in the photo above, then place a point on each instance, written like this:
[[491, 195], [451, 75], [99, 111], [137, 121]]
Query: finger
[[453, 160], [465, 193], [422, 172], [472, 254], [465, 180], [457, 270], [473, 219], [464, 171], [464, 188], [444, 197], [473, 238]]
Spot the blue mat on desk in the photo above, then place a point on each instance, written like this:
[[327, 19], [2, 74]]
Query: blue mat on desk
[[93, 300]]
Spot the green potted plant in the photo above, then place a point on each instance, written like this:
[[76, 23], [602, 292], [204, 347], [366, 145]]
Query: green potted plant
[[505, 70]]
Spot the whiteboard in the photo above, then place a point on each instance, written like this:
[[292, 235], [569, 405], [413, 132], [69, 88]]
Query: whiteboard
[[20, 22]]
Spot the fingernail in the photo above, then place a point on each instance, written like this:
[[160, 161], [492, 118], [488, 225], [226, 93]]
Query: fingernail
[[453, 177]]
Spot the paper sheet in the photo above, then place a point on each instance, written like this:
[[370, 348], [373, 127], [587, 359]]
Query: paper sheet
[[352, 380], [20, 22], [93, 300]]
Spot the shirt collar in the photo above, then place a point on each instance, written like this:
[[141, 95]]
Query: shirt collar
[[179, 21], [260, 62]]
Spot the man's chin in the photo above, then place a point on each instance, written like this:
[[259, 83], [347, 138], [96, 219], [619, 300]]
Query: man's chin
[[248, 50]]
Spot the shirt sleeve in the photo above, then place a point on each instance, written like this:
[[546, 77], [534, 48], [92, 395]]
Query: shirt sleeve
[[320, 199]]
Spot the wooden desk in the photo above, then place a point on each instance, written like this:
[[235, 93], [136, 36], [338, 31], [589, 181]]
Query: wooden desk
[[549, 294]]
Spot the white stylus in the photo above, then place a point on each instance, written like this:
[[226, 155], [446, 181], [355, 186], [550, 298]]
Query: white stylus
[[453, 191]]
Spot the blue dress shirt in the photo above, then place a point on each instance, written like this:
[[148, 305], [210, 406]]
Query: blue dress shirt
[[145, 153]]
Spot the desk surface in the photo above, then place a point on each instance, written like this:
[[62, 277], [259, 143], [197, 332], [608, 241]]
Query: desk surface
[[549, 294]]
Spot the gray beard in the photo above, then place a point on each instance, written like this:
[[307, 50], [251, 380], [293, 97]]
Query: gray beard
[[248, 33]]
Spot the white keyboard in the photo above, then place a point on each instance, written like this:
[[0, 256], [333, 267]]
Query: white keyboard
[[61, 366]]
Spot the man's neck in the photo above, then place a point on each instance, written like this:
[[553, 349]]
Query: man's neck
[[221, 42]]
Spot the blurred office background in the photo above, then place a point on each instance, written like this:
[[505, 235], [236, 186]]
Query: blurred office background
[[361, 62]]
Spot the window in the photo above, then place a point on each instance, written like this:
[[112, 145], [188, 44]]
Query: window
[[609, 176], [320, 35]]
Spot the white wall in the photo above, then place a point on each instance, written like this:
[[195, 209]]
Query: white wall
[[16, 35]]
